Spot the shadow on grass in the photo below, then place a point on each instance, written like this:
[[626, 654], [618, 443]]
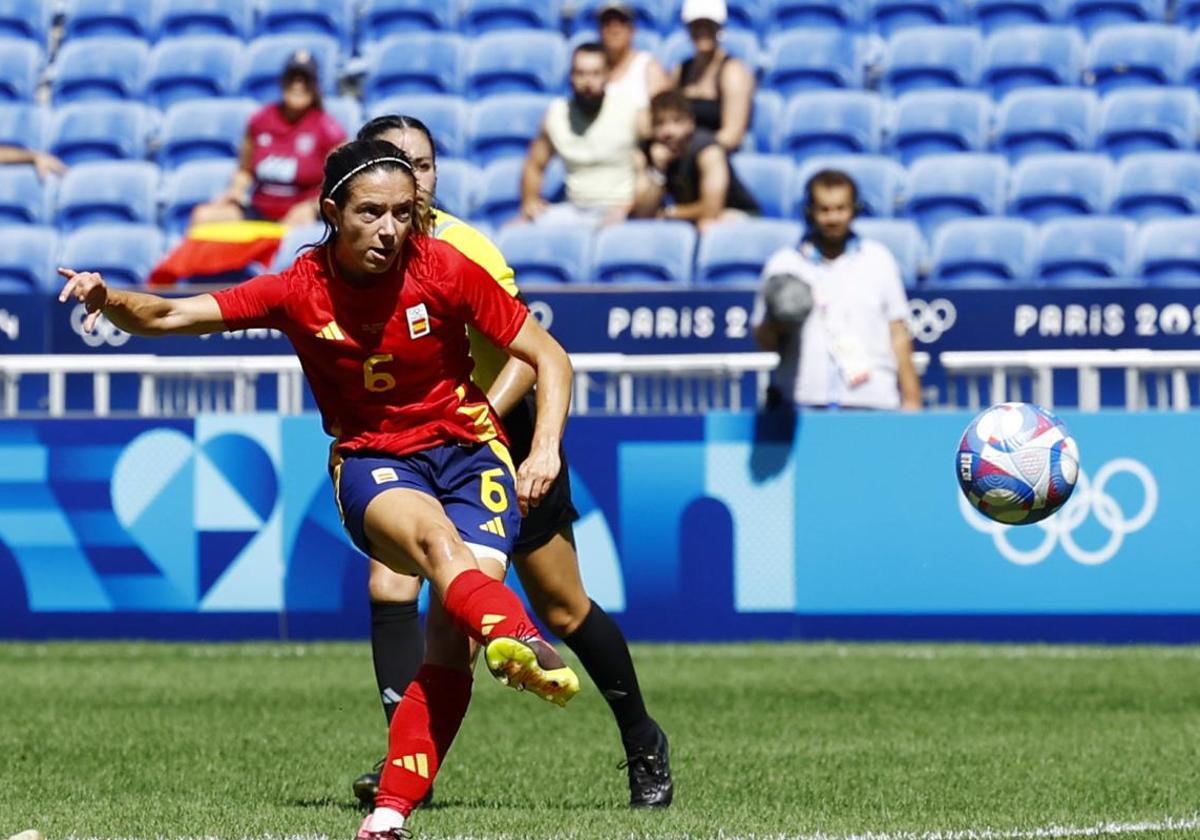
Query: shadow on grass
[[327, 802]]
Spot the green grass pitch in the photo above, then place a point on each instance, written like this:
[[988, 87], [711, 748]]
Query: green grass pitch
[[896, 741]]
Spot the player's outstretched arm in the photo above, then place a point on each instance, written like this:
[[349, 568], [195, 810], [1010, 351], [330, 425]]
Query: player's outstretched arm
[[137, 312]]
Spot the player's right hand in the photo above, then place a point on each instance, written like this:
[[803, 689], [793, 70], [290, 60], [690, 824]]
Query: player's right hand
[[88, 288]]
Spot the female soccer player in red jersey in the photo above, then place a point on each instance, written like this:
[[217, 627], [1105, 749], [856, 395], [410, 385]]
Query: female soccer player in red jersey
[[421, 473]]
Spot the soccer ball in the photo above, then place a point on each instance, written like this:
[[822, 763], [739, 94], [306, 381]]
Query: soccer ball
[[1017, 463]]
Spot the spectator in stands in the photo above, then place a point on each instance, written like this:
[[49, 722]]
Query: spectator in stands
[[690, 166], [720, 87], [44, 162], [596, 137], [635, 75], [835, 310], [282, 156]]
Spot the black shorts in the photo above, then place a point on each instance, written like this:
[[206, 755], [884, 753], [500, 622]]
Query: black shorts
[[556, 509]]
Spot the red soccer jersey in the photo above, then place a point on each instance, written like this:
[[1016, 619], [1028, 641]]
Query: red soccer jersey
[[389, 364], [289, 158]]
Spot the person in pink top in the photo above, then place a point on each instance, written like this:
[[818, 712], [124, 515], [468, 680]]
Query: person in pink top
[[283, 154]]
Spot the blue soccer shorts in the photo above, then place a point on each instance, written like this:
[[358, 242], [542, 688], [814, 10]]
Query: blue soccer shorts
[[475, 485]]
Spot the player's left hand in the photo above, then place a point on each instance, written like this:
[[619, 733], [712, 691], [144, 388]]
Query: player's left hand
[[535, 477], [88, 288]]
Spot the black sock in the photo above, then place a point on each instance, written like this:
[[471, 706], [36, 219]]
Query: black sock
[[398, 648], [601, 647]]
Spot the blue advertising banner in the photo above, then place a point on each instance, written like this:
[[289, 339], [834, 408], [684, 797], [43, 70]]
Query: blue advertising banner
[[730, 526]]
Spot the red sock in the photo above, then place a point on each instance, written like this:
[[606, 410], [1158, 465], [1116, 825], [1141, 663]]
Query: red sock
[[484, 608], [421, 732]]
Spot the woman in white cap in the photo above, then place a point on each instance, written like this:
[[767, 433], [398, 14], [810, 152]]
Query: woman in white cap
[[719, 86]]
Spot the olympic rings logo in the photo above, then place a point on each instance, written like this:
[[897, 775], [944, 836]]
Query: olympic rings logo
[[105, 331], [1088, 500], [930, 321]]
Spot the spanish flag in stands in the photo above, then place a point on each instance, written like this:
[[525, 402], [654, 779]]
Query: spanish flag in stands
[[214, 251]]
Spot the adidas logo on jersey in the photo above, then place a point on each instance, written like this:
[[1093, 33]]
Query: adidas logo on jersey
[[493, 526], [331, 332]]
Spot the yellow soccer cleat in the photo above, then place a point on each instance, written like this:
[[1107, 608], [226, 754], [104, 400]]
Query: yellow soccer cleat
[[531, 665]]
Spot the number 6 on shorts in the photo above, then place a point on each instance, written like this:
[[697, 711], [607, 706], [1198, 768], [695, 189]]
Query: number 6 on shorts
[[492, 492]]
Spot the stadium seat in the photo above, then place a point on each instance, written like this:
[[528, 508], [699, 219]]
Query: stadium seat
[[204, 128], [1167, 252], [880, 181], [516, 62], [1060, 184], [294, 243], [210, 17], [262, 64], [825, 122], [649, 15], [504, 125], [735, 252], [23, 124], [1187, 13], [1135, 56], [982, 252], [934, 121], [448, 118], [22, 201], [384, 18], [21, 63], [780, 15], [644, 251], [768, 178], [191, 67], [1031, 56], [1191, 57], [28, 258], [124, 254], [994, 15], [456, 183], [765, 115], [427, 62], [480, 16], [1045, 120], [109, 191], [1092, 15], [812, 59], [499, 198], [88, 131], [547, 253], [28, 19], [91, 18], [191, 184], [1151, 185], [890, 16], [742, 16], [932, 57], [346, 112], [100, 68], [1147, 119], [953, 186], [1085, 250], [328, 18], [677, 47], [900, 236]]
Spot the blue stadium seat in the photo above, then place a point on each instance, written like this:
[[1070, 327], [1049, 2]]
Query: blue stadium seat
[[890, 16], [934, 121], [1146, 120], [644, 251], [1085, 250], [480, 16], [294, 243], [812, 59], [88, 131], [1059, 184], [994, 15], [1046, 120], [346, 111], [191, 184], [739, 43], [262, 64], [504, 125], [91, 18], [23, 124], [448, 118], [735, 252], [516, 62], [1092, 15], [649, 15], [426, 62], [900, 236], [1187, 13], [743, 16], [28, 258], [547, 253], [1167, 252], [825, 122], [200, 129], [110, 191], [124, 254], [205, 17], [779, 15], [880, 181], [328, 18], [982, 252], [499, 198], [954, 186], [765, 116], [456, 183], [1151, 185], [191, 67], [28, 19], [384, 18], [768, 178], [932, 57], [1135, 56], [1032, 56], [22, 201], [100, 68], [1191, 58], [21, 65]]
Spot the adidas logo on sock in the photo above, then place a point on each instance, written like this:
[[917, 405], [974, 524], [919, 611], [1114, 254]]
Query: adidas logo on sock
[[417, 763], [488, 623]]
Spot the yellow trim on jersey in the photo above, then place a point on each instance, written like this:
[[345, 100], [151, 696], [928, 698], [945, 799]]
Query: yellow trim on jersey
[[480, 414]]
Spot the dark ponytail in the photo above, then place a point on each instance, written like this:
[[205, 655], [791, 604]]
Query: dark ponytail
[[346, 163]]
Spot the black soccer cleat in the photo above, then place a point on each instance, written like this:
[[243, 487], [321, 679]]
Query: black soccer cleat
[[650, 784], [366, 786]]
